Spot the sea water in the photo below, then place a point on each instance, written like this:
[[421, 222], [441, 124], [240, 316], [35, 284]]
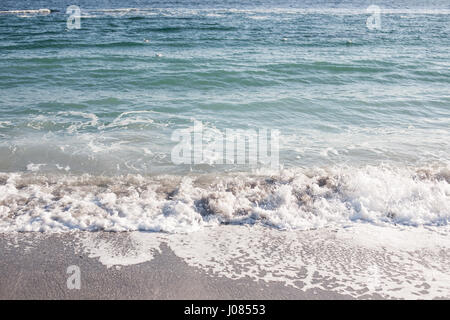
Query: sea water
[[88, 113]]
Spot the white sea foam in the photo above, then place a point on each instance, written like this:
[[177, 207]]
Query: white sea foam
[[253, 13], [5, 124], [293, 199], [259, 17], [110, 253], [80, 124], [360, 260], [31, 11], [262, 11], [337, 260], [35, 166], [59, 167]]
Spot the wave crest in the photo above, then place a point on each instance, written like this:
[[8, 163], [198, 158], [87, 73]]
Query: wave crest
[[294, 199]]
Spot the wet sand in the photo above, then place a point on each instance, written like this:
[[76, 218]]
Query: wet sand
[[228, 262], [40, 272]]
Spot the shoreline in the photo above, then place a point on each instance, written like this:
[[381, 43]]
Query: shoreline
[[315, 264], [43, 276]]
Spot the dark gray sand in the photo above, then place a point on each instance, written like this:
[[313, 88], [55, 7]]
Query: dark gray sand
[[40, 272]]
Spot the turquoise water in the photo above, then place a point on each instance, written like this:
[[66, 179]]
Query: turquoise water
[[103, 99], [363, 115]]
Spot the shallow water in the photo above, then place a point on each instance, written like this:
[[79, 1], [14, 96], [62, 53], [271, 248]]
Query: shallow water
[[368, 107]]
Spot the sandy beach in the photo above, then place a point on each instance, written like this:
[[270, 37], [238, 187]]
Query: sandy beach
[[321, 264], [41, 274]]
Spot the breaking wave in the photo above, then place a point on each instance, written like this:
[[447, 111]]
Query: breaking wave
[[291, 199]]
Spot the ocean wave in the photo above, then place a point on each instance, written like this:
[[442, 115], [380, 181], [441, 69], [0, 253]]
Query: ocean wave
[[5, 124], [294, 199], [29, 11], [223, 12], [176, 12]]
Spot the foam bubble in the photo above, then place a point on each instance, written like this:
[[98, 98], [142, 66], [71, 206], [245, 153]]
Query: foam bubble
[[31, 11], [299, 199], [359, 261], [35, 166]]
